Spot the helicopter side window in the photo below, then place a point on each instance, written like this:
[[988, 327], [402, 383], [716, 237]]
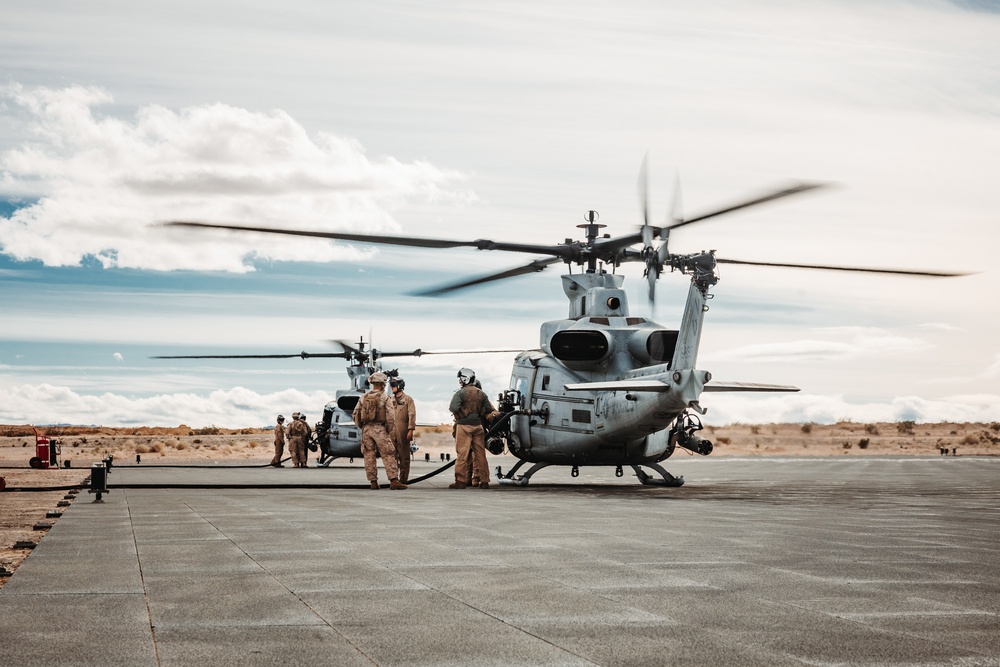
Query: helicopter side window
[[581, 416], [545, 382]]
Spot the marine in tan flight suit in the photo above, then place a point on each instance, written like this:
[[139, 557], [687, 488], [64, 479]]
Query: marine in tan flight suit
[[279, 442], [309, 435], [405, 425], [375, 429], [469, 404], [298, 434]]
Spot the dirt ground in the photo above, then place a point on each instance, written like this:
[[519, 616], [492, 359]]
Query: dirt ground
[[21, 510]]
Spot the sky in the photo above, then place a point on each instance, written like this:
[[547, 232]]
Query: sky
[[500, 120]]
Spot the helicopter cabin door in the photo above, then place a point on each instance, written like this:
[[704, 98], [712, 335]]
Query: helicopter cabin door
[[560, 411]]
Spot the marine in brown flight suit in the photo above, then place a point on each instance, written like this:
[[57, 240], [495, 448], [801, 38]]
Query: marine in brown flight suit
[[279, 442], [375, 433], [406, 423], [305, 444], [298, 432], [469, 404]]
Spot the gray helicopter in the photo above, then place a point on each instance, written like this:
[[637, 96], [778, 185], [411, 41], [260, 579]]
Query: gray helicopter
[[336, 435], [605, 388]]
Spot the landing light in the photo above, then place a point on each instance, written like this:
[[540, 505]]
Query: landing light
[[677, 377], [614, 303]]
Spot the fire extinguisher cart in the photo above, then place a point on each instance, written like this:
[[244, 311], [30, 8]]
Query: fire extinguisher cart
[[47, 451]]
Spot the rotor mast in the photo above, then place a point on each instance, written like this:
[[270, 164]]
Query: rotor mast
[[593, 231]]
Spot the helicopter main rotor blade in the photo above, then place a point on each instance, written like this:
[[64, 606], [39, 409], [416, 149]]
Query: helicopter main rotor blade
[[859, 269], [777, 194], [643, 187], [533, 267], [349, 348], [562, 250], [419, 353], [302, 355]]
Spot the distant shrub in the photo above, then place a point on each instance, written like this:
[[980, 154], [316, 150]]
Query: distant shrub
[[995, 426], [723, 440], [755, 430], [156, 447], [863, 443], [871, 429], [197, 441], [141, 449], [847, 445], [905, 427], [254, 444], [969, 440], [208, 430], [807, 428]]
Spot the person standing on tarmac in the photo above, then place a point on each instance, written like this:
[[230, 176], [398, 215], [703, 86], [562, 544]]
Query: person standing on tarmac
[[309, 435], [376, 417], [468, 404], [279, 442], [405, 424], [298, 432]]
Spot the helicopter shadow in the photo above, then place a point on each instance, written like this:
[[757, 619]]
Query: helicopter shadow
[[826, 494]]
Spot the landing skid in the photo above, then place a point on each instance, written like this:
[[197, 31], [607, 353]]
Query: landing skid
[[325, 461], [668, 479], [520, 480], [513, 479]]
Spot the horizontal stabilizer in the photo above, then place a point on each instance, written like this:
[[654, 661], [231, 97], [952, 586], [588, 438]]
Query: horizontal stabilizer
[[716, 385]]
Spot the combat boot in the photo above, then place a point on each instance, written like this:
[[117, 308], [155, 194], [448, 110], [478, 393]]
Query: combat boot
[[475, 481], [395, 484], [457, 485], [484, 485], [375, 486]]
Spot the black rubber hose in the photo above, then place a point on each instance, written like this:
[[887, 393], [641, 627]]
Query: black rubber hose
[[40, 488]]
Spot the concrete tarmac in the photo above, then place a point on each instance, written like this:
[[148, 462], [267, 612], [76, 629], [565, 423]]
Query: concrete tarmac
[[761, 561]]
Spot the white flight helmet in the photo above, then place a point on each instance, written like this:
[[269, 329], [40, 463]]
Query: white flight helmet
[[466, 376]]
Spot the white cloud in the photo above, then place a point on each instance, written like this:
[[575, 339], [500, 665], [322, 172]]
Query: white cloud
[[941, 326], [799, 408], [230, 408], [854, 343], [240, 407], [98, 182]]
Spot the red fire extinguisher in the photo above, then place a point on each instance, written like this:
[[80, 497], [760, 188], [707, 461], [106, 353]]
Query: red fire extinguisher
[[46, 451]]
